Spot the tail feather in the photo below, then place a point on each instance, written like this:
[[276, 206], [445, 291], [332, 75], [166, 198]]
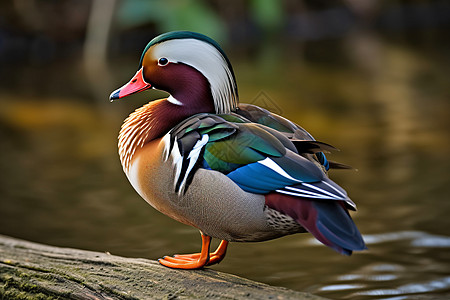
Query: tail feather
[[334, 222], [328, 221]]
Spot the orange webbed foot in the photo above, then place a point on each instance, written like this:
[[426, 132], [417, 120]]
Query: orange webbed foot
[[177, 263], [196, 260]]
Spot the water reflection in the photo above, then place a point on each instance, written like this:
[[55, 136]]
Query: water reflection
[[417, 238], [417, 273], [411, 288]]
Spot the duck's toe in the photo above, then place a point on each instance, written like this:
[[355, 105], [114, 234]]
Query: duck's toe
[[184, 262], [189, 261]]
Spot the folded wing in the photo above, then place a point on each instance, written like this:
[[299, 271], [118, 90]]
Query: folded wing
[[263, 160]]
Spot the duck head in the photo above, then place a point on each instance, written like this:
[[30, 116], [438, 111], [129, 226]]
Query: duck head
[[191, 67]]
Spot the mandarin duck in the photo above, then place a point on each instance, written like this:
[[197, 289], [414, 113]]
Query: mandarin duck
[[236, 172]]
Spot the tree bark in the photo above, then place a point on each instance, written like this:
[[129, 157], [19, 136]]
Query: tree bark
[[35, 271]]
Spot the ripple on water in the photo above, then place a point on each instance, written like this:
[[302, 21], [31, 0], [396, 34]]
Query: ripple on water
[[411, 288], [393, 279], [418, 239]]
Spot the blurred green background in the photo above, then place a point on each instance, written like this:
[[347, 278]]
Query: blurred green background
[[370, 77]]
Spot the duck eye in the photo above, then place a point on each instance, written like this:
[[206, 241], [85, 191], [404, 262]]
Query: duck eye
[[163, 61]]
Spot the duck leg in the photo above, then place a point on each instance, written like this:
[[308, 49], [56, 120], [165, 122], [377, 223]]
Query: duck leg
[[196, 260], [218, 255]]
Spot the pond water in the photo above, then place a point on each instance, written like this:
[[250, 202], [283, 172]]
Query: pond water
[[62, 183]]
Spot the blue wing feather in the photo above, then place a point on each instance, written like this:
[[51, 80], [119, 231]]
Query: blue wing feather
[[258, 178], [292, 175]]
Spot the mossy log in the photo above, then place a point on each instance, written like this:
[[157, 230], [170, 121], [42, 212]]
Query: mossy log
[[35, 271]]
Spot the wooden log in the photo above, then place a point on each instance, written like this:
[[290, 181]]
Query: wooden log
[[35, 271]]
